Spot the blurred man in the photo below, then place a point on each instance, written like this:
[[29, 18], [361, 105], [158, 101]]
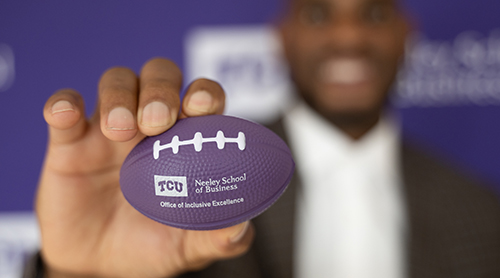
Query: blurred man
[[363, 204]]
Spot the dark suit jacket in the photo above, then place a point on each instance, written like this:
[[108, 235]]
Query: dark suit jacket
[[454, 227]]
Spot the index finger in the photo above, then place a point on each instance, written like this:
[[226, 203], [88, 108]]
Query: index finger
[[118, 104], [159, 101]]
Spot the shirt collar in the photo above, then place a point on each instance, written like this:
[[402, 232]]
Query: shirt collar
[[318, 144]]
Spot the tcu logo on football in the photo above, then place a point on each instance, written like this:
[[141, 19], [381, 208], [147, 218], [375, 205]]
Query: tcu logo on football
[[170, 186], [198, 141]]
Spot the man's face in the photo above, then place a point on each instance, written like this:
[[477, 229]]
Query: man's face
[[344, 54]]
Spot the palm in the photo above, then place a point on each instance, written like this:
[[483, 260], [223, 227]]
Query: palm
[[82, 196]]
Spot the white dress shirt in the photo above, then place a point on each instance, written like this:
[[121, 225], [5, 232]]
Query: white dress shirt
[[350, 218]]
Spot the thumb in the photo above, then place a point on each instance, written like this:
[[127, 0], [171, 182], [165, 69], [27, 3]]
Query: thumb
[[208, 246]]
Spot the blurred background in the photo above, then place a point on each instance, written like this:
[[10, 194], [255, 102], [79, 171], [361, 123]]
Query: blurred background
[[447, 95]]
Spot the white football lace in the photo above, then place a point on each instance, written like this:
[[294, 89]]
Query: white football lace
[[198, 141]]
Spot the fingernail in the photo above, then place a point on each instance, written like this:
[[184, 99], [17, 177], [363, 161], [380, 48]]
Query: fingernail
[[155, 114], [120, 118], [62, 106], [201, 101], [239, 235]]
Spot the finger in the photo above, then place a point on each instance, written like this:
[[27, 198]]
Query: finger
[[118, 104], [219, 244], [161, 81], [203, 97], [64, 113]]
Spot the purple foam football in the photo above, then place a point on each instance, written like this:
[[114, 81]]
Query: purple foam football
[[207, 173]]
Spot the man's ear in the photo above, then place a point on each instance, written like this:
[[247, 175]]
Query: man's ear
[[410, 25], [408, 30]]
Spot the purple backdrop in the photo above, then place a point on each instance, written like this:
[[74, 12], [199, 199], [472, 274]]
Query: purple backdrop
[[59, 44]]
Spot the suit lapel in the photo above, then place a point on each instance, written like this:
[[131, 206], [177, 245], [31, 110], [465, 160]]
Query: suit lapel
[[274, 237], [418, 264], [442, 224]]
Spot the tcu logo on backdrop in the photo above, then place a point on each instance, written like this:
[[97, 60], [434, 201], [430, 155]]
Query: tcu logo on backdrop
[[170, 186]]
